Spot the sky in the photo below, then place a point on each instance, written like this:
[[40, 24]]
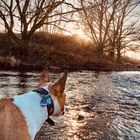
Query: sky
[[135, 55]]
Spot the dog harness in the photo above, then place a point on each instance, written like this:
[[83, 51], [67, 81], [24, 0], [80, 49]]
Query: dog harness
[[46, 101]]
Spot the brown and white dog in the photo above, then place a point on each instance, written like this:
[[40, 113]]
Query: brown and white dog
[[22, 116]]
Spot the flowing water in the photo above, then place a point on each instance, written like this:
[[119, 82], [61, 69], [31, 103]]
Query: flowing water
[[100, 105]]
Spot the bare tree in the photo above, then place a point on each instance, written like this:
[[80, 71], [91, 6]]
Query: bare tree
[[26, 16], [97, 22], [123, 28], [106, 22]]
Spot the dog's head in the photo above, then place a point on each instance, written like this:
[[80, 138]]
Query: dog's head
[[56, 90]]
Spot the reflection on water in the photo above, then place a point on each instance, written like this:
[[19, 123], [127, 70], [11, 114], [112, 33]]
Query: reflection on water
[[100, 106]]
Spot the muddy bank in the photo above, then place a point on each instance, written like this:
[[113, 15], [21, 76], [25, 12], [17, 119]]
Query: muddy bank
[[60, 67]]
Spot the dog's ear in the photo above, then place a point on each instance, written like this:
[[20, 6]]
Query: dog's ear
[[59, 86], [44, 77]]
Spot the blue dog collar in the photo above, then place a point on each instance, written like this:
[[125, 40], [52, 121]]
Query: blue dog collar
[[46, 99]]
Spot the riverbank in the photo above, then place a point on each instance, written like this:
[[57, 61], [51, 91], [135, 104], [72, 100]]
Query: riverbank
[[58, 53], [21, 66]]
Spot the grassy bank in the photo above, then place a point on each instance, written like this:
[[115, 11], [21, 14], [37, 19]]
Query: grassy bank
[[57, 52]]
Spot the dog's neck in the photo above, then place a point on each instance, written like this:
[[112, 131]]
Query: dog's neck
[[35, 115]]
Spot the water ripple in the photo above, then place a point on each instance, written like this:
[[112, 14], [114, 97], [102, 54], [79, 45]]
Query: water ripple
[[100, 106]]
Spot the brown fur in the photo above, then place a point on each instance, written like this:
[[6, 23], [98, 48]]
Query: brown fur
[[60, 98], [56, 89], [12, 123]]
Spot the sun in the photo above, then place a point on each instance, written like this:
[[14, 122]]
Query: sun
[[80, 33], [76, 31]]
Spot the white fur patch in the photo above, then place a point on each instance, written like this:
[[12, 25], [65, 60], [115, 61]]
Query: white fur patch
[[35, 115], [57, 109]]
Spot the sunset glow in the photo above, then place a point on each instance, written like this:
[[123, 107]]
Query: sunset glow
[[135, 55]]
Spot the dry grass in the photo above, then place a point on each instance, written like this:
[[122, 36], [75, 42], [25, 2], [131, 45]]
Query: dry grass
[[58, 50]]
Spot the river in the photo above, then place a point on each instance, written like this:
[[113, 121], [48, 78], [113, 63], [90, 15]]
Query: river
[[99, 105]]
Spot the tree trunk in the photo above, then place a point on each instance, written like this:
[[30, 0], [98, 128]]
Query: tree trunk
[[112, 52], [23, 48], [100, 54], [118, 54]]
